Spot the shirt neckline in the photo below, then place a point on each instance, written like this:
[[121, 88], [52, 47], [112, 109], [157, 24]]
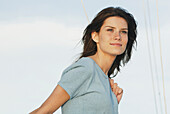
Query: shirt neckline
[[106, 76]]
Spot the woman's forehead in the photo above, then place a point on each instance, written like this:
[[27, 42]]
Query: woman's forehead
[[115, 21]]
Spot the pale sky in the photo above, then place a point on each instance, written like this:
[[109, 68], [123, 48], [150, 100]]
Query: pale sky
[[40, 38]]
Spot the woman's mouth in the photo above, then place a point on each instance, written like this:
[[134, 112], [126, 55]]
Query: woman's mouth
[[116, 44]]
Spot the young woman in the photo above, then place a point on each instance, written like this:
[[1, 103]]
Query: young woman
[[85, 86]]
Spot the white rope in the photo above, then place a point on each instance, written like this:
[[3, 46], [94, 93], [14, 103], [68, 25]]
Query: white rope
[[160, 47], [154, 57], [149, 52]]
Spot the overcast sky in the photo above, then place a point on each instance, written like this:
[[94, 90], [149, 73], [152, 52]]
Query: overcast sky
[[40, 38]]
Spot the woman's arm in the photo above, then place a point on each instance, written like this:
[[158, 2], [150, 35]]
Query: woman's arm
[[58, 97]]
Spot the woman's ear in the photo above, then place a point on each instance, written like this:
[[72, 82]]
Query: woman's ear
[[95, 37]]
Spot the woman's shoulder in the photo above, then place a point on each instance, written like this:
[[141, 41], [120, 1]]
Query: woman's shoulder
[[84, 64], [79, 72], [86, 61]]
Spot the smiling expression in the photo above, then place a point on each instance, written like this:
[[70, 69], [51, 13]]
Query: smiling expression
[[112, 37]]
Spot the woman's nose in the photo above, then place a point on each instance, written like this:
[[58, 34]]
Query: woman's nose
[[117, 35]]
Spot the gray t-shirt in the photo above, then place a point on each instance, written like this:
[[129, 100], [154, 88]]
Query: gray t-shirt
[[89, 89]]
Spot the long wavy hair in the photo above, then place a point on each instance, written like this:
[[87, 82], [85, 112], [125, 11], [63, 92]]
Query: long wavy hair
[[90, 47]]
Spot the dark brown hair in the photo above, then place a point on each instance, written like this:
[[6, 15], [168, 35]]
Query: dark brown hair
[[90, 47]]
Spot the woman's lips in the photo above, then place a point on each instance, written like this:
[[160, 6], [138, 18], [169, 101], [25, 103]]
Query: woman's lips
[[116, 44]]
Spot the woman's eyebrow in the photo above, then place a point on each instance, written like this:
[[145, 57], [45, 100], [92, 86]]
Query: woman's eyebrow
[[124, 29], [110, 26], [115, 27]]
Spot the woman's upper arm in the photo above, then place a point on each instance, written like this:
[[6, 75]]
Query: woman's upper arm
[[58, 97]]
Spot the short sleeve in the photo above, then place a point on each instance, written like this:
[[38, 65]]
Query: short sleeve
[[73, 78]]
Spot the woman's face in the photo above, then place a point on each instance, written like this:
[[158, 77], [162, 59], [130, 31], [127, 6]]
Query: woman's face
[[112, 37]]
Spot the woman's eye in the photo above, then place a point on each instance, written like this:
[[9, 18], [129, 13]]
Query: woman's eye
[[124, 32], [110, 30]]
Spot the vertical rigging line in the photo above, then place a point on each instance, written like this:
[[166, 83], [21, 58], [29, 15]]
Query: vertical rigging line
[[149, 52], [154, 57], [160, 47], [85, 11], [86, 17]]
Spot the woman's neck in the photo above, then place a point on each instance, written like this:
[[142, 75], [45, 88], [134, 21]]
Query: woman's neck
[[104, 61]]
